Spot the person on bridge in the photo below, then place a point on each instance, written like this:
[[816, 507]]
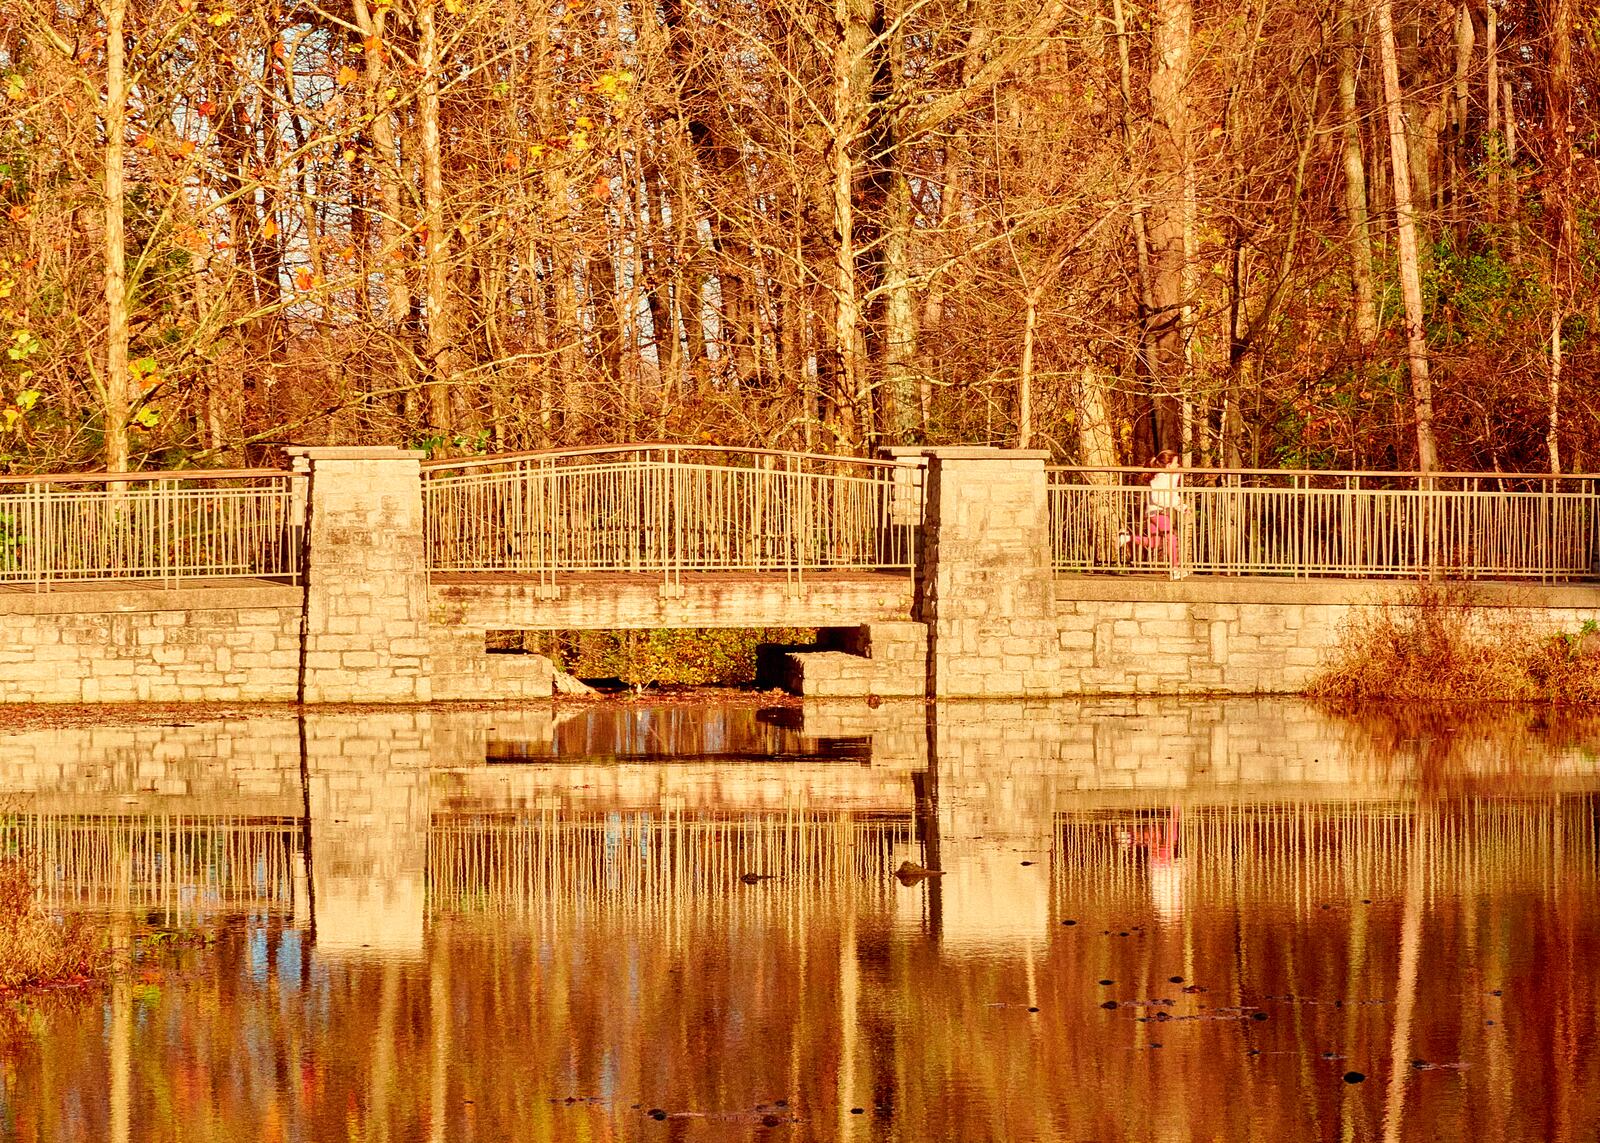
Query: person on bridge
[[1161, 513]]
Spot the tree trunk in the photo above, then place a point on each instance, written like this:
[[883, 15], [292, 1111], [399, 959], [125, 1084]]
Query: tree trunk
[[1560, 197], [1494, 150], [854, 34], [1030, 326], [1143, 365], [1410, 271], [1170, 175], [117, 397], [1460, 161], [392, 231], [441, 340], [1355, 183]]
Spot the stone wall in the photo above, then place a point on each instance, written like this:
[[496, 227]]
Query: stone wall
[[889, 660], [1136, 636], [464, 669], [183, 645]]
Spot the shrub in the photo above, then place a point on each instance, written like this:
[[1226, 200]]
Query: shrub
[[1440, 644]]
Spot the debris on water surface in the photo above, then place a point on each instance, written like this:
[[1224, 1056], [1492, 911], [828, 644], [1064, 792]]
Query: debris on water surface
[[858, 1111], [1354, 1077], [1069, 922], [1175, 979], [1027, 863], [910, 874], [1109, 1004], [657, 1114], [753, 878], [1258, 1015], [1108, 982]]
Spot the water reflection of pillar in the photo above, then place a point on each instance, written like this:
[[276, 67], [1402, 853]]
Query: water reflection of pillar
[[925, 788], [366, 791], [993, 824]]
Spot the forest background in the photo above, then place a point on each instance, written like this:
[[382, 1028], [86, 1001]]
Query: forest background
[[1339, 233]]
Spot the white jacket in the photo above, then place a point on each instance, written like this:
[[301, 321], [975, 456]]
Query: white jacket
[[1164, 494]]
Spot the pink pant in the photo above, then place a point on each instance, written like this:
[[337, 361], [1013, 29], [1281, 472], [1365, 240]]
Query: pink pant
[[1160, 534]]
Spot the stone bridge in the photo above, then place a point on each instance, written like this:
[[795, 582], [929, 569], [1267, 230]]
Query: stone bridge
[[367, 576]]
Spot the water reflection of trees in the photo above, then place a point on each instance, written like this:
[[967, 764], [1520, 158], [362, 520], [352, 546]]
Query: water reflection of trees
[[618, 959]]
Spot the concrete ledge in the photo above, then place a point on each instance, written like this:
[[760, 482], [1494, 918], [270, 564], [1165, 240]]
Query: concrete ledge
[[106, 599], [636, 603], [1336, 592]]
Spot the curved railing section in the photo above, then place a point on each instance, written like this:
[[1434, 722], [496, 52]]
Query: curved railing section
[[151, 526], [1303, 523], [670, 509]]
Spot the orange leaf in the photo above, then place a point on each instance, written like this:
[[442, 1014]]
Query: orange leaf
[[303, 280], [347, 76], [186, 148], [372, 44], [602, 187], [510, 161], [278, 49], [206, 107], [142, 139], [270, 228]]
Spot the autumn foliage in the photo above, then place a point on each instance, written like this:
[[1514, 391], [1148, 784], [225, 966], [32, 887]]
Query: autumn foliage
[[1098, 229]]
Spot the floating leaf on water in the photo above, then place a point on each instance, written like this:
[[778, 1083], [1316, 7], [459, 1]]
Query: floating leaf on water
[[1353, 1077]]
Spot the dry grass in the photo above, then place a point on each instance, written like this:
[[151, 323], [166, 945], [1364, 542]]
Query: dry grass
[[1440, 645], [36, 951]]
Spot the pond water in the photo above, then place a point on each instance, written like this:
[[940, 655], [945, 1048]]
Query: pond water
[[1157, 920]]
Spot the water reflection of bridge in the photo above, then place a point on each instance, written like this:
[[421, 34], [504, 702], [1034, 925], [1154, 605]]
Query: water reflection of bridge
[[362, 827]]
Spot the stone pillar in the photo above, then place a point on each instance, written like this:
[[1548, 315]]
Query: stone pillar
[[366, 614], [986, 590]]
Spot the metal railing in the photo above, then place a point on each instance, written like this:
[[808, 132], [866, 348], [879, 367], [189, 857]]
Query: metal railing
[[167, 526], [1304, 523], [670, 509]]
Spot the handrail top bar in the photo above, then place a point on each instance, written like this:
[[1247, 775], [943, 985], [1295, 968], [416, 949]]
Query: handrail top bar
[[645, 446], [147, 476], [1387, 473]]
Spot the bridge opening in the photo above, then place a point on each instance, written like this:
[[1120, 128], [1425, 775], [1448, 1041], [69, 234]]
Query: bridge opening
[[670, 658]]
